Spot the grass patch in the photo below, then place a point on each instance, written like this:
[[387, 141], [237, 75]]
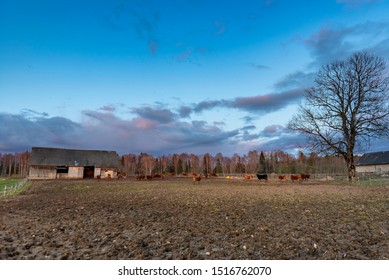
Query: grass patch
[[9, 184]]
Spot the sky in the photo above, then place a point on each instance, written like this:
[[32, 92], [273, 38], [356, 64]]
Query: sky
[[172, 76]]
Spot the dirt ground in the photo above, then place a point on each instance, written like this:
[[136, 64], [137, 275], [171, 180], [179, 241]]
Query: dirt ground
[[176, 219]]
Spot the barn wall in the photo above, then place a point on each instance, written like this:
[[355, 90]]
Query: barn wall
[[97, 171], [76, 172], [378, 169], [42, 172]]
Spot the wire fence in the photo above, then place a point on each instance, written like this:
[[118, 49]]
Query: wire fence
[[372, 180], [11, 188]]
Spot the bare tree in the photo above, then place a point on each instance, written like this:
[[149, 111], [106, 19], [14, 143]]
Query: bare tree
[[347, 106]]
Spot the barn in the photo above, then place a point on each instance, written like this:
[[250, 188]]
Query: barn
[[377, 163], [53, 163]]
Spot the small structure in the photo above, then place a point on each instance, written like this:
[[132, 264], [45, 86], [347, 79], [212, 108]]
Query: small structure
[[375, 163], [53, 163]]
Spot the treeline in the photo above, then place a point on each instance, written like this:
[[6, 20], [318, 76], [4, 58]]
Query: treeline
[[278, 162], [16, 164]]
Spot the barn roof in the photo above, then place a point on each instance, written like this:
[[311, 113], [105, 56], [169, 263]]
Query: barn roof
[[374, 158], [68, 157]]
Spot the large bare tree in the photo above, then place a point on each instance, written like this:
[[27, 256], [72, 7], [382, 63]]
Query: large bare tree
[[346, 107]]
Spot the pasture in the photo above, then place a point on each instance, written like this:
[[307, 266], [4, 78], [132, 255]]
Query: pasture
[[212, 219]]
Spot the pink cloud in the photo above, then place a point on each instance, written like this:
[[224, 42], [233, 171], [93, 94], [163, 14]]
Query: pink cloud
[[141, 123]]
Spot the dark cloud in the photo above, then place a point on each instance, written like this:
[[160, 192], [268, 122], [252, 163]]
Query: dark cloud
[[273, 130], [298, 79], [208, 105], [103, 130], [248, 136], [280, 138], [28, 113], [269, 132], [260, 104], [290, 143], [19, 132], [269, 102], [185, 111], [155, 114], [337, 43]]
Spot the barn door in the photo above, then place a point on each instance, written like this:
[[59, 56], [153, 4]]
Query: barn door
[[89, 171]]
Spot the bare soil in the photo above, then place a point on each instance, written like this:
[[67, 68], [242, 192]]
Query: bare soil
[[176, 219]]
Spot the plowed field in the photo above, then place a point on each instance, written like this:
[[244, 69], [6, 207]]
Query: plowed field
[[176, 219]]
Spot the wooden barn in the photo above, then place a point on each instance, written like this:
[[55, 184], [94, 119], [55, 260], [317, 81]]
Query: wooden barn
[[377, 163], [53, 163]]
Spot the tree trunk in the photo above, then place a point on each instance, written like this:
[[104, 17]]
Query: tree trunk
[[350, 168]]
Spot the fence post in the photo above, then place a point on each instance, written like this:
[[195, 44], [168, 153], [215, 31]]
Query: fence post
[[5, 190]]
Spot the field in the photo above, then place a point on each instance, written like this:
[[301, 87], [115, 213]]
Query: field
[[176, 219]]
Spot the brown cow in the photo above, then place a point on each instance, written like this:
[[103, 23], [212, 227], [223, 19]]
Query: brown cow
[[149, 177], [121, 175], [296, 178], [158, 176], [196, 179], [140, 177], [248, 176], [282, 177]]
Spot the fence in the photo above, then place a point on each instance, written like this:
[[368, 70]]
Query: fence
[[13, 187], [372, 180]]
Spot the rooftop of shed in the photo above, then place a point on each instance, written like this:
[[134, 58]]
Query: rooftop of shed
[[69, 157], [374, 158]]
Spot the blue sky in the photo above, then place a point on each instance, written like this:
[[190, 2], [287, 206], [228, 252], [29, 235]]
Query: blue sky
[[171, 76]]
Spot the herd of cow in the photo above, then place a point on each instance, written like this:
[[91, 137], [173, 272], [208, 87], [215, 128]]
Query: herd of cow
[[197, 177], [299, 177]]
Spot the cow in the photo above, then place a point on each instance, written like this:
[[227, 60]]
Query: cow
[[262, 177], [282, 177], [140, 177], [305, 177], [196, 179], [158, 176], [248, 176], [149, 177], [109, 176], [121, 175], [98, 177], [295, 178]]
